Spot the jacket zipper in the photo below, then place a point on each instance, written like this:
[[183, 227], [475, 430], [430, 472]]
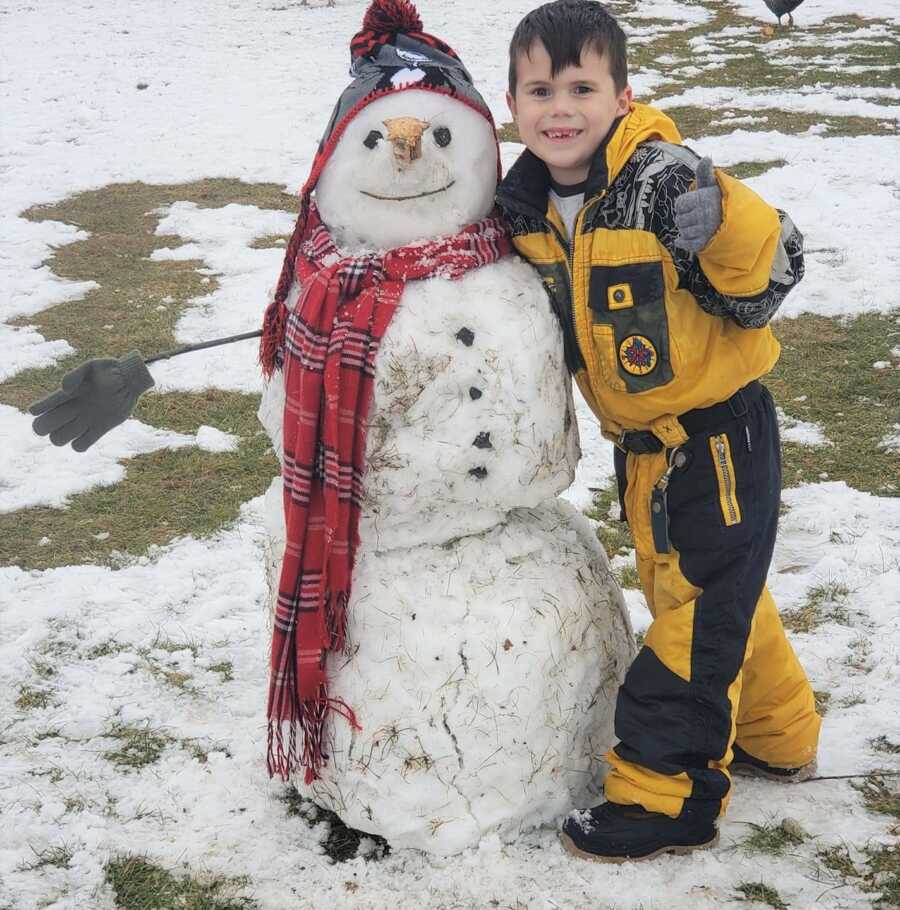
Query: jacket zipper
[[730, 509]]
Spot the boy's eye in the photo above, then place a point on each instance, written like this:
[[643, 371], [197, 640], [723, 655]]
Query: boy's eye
[[372, 139], [583, 89], [540, 92], [442, 136]]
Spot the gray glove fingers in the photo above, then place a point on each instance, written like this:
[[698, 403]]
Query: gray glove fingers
[[72, 430], [57, 418], [51, 401], [689, 218], [86, 440], [706, 175], [74, 378]]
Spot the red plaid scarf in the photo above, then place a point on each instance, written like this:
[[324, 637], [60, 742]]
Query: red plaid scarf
[[328, 345]]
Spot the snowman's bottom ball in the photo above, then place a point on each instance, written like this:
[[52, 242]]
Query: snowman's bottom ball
[[484, 675]]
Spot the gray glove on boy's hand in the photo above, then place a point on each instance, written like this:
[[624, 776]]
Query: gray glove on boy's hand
[[698, 213], [94, 398]]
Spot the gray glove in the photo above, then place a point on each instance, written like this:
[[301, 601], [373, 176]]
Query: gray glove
[[94, 398], [698, 213]]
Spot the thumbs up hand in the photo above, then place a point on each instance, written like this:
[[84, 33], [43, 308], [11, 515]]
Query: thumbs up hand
[[698, 212]]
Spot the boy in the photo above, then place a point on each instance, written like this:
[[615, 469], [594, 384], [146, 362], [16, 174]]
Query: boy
[[664, 274]]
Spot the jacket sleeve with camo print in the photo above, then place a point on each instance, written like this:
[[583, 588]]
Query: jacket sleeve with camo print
[[664, 172]]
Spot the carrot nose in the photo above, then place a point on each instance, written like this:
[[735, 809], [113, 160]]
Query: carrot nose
[[405, 133]]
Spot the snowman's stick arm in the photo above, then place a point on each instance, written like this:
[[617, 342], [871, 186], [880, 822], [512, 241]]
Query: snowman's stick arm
[[101, 393], [202, 345]]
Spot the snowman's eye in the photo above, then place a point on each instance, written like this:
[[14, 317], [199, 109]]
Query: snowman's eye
[[442, 136], [372, 139]]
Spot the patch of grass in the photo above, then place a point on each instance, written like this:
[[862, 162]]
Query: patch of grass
[[823, 701], [830, 362], [270, 242], [139, 746], [629, 578], [883, 744], [341, 842], [60, 857], [140, 884], [822, 604], [744, 170], [879, 794], [136, 306], [104, 649], [838, 860], [29, 699], [614, 536], [761, 893], [860, 654], [225, 669], [164, 495], [772, 838], [883, 874]]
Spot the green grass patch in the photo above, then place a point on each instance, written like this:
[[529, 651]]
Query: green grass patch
[[883, 744], [744, 170], [773, 839], [829, 361], [165, 494], [823, 701], [615, 536], [837, 859], [883, 874], [140, 884], [823, 603], [225, 669], [30, 699], [60, 857], [761, 893], [879, 794], [628, 577], [138, 747]]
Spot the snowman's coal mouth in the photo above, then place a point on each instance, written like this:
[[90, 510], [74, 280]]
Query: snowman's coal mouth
[[405, 198]]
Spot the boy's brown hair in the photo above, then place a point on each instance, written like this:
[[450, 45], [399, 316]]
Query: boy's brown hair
[[565, 28]]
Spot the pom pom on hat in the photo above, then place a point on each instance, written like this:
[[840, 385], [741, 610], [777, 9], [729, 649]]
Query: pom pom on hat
[[392, 16]]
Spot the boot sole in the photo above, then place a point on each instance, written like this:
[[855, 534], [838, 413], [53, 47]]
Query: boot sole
[[677, 849], [804, 773]]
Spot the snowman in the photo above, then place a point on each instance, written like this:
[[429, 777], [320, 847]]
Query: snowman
[[448, 639]]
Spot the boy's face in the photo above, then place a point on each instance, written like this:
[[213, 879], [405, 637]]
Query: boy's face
[[563, 119]]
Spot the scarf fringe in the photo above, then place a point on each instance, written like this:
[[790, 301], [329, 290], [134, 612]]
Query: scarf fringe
[[309, 721]]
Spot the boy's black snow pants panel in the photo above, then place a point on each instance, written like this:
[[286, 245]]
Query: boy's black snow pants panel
[[715, 665]]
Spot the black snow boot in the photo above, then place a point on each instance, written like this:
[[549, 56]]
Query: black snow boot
[[746, 765], [612, 833]]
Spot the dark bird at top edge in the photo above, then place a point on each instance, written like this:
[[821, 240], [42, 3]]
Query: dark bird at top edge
[[783, 8]]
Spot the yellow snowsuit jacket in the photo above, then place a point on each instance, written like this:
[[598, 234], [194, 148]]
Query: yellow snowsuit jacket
[[652, 332]]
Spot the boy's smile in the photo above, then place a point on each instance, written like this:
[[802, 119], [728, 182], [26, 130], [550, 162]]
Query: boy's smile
[[563, 119]]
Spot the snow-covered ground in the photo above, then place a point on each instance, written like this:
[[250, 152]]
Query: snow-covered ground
[[242, 89]]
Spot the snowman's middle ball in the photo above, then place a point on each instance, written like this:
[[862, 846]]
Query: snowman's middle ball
[[384, 187]]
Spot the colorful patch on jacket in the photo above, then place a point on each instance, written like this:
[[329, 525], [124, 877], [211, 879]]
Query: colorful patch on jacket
[[638, 355]]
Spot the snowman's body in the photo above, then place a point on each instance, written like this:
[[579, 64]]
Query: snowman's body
[[487, 635]]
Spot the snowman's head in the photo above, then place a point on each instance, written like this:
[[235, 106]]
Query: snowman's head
[[411, 165]]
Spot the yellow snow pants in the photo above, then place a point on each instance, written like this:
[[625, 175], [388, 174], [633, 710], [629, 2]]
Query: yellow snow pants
[[715, 666]]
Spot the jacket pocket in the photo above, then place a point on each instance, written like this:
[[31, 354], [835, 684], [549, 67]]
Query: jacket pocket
[[630, 325], [724, 465]]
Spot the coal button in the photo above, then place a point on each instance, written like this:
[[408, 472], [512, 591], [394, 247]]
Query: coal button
[[480, 472], [466, 336], [475, 394], [483, 441]]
